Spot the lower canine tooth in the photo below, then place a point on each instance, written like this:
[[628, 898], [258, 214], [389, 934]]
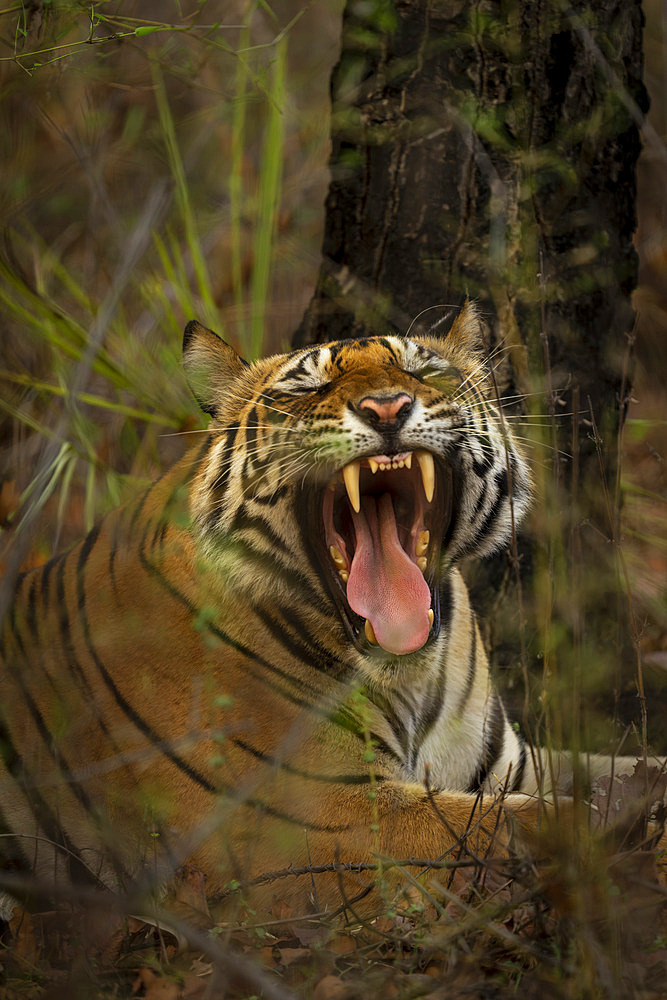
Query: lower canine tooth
[[370, 634], [431, 617], [351, 478], [422, 542], [337, 557], [425, 459]]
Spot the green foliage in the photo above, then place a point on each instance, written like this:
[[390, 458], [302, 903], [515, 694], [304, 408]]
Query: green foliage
[[134, 208]]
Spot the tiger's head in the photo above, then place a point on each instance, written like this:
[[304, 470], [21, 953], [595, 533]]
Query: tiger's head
[[363, 466]]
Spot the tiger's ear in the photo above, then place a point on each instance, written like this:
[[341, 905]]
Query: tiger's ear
[[209, 364], [467, 331]]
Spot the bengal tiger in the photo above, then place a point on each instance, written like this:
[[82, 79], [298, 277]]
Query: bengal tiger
[[265, 659]]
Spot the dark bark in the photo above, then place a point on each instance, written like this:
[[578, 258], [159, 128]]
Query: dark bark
[[475, 145], [489, 149]]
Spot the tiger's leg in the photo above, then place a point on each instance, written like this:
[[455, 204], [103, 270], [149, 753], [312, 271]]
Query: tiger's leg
[[396, 822]]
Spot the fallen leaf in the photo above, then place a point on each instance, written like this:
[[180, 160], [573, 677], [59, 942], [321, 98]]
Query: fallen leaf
[[267, 958], [290, 955], [330, 988], [308, 936], [342, 944]]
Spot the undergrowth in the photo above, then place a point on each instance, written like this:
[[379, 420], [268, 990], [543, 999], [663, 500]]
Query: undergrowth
[[162, 170]]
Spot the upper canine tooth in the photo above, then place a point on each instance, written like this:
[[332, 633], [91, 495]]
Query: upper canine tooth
[[373, 464], [351, 477], [431, 617], [425, 459]]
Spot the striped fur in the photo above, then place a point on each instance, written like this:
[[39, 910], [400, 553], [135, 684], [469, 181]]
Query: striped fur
[[188, 683]]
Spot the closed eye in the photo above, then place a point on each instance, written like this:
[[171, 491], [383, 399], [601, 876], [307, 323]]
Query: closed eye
[[300, 388], [445, 371]]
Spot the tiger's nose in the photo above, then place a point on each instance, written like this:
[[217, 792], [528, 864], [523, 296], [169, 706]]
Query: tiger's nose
[[386, 409]]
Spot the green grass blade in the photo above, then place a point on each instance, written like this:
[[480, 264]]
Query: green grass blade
[[236, 188], [90, 399], [211, 315], [269, 201]]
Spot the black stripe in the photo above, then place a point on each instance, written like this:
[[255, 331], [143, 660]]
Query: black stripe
[[20, 580], [388, 347], [272, 498], [136, 513], [252, 423], [288, 818], [494, 741], [56, 755], [14, 629], [346, 719], [472, 666], [159, 534], [384, 747], [430, 715], [308, 650], [479, 502], [300, 650], [122, 702], [446, 599], [60, 841], [517, 781], [73, 664], [342, 779], [490, 522], [219, 485], [242, 521], [393, 719], [295, 618], [293, 580], [13, 849], [32, 610], [239, 647], [46, 576]]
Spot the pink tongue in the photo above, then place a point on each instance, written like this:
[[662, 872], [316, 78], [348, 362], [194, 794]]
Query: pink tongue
[[385, 586]]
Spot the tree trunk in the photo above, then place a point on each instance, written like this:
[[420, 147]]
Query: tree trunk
[[488, 149]]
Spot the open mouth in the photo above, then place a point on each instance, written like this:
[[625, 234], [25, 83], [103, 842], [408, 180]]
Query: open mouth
[[380, 521]]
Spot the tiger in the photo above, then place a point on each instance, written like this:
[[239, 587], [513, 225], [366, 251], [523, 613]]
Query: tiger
[[269, 660]]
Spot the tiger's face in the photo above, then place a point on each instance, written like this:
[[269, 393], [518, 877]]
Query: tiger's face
[[379, 461]]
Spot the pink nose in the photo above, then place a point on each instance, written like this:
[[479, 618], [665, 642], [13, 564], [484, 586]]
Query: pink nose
[[386, 408]]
